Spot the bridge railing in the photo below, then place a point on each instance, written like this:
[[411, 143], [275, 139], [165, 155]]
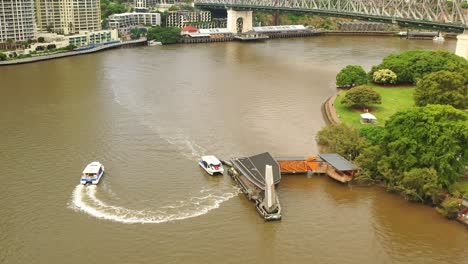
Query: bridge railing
[[441, 11]]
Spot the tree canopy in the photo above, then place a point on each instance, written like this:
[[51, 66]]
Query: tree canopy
[[384, 76], [412, 65], [434, 136], [110, 7], [350, 76], [342, 139], [361, 96], [166, 35], [442, 87]]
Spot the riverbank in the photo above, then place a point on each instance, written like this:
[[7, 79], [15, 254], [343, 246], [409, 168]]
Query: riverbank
[[141, 42], [132, 43]]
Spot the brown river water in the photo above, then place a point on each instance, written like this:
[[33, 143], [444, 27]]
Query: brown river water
[[148, 113]]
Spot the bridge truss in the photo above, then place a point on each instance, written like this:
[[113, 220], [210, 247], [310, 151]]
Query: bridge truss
[[439, 14]]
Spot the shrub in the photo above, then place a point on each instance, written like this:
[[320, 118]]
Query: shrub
[[350, 76], [361, 96], [384, 76], [449, 208]]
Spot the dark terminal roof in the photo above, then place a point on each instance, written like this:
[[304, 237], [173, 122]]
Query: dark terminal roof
[[338, 162], [254, 168]]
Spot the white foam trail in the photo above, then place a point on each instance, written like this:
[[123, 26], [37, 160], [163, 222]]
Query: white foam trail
[[84, 199]]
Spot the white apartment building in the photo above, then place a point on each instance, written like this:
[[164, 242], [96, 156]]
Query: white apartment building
[[17, 20], [87, 15], [87, 37], [68, 16], [126, 21], [182, 18], [55, 16]]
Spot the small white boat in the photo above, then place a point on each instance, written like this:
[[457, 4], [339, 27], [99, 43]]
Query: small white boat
[[92, 173], [211, 164], [439, 38], [154, 43]]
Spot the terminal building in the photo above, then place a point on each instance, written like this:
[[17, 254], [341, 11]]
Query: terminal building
[[17, 20]]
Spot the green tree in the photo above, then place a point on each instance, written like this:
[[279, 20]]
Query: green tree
[[384, 76], [3, 57], [449, 208], [412, 65], [373, 134], [350, 76], [361, 96], [434, 136], [420, 184], [167, 35], [40, 39], [367, 161], [342, 139], [135, 33], [110, 7], [442, 87]]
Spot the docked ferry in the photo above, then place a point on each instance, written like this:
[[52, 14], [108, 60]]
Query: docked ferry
[[92, 173], [211, 164]]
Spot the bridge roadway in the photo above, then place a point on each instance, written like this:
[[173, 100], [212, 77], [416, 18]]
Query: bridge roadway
[[443, 15]]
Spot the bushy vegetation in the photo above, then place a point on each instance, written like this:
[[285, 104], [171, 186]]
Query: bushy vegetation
[[442, 87], [449, 208], [342, 139], [421, 152], [361, 96], [110, 7], [3, 57], [350, 76], [166, 35], [384, 76], [412, 65], [373, 134]]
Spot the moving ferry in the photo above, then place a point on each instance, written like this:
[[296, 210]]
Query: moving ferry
[[92, 173], [211, 164]]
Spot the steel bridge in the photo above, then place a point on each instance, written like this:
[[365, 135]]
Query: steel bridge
[[443, 15]]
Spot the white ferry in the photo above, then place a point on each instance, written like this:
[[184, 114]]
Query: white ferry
[[211, 164], [92, 173]]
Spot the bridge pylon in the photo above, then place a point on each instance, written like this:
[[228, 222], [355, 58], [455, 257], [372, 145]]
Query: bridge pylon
[[239, 21], [462, 45]]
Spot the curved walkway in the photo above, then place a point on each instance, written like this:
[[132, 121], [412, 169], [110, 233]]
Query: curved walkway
[[329, 111]]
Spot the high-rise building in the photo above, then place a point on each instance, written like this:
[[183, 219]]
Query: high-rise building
[[55, 16], [87, 15], [68, 16], [17, 20]]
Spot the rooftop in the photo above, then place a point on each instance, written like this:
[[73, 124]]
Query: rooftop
[[254, 168], [338, 162]]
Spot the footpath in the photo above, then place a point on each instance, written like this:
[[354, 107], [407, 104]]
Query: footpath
[[329, 112], [73, 53]]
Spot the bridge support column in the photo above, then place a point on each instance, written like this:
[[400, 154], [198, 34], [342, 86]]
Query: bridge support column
[[462, 45], [239, 21]]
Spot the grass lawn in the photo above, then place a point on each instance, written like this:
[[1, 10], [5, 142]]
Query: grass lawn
[[394, 99]]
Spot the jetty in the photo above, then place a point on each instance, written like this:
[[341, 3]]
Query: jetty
[[258, 176], [333, 165]]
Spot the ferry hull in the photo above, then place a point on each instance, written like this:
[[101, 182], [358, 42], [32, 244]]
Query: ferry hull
[[85, 181]]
